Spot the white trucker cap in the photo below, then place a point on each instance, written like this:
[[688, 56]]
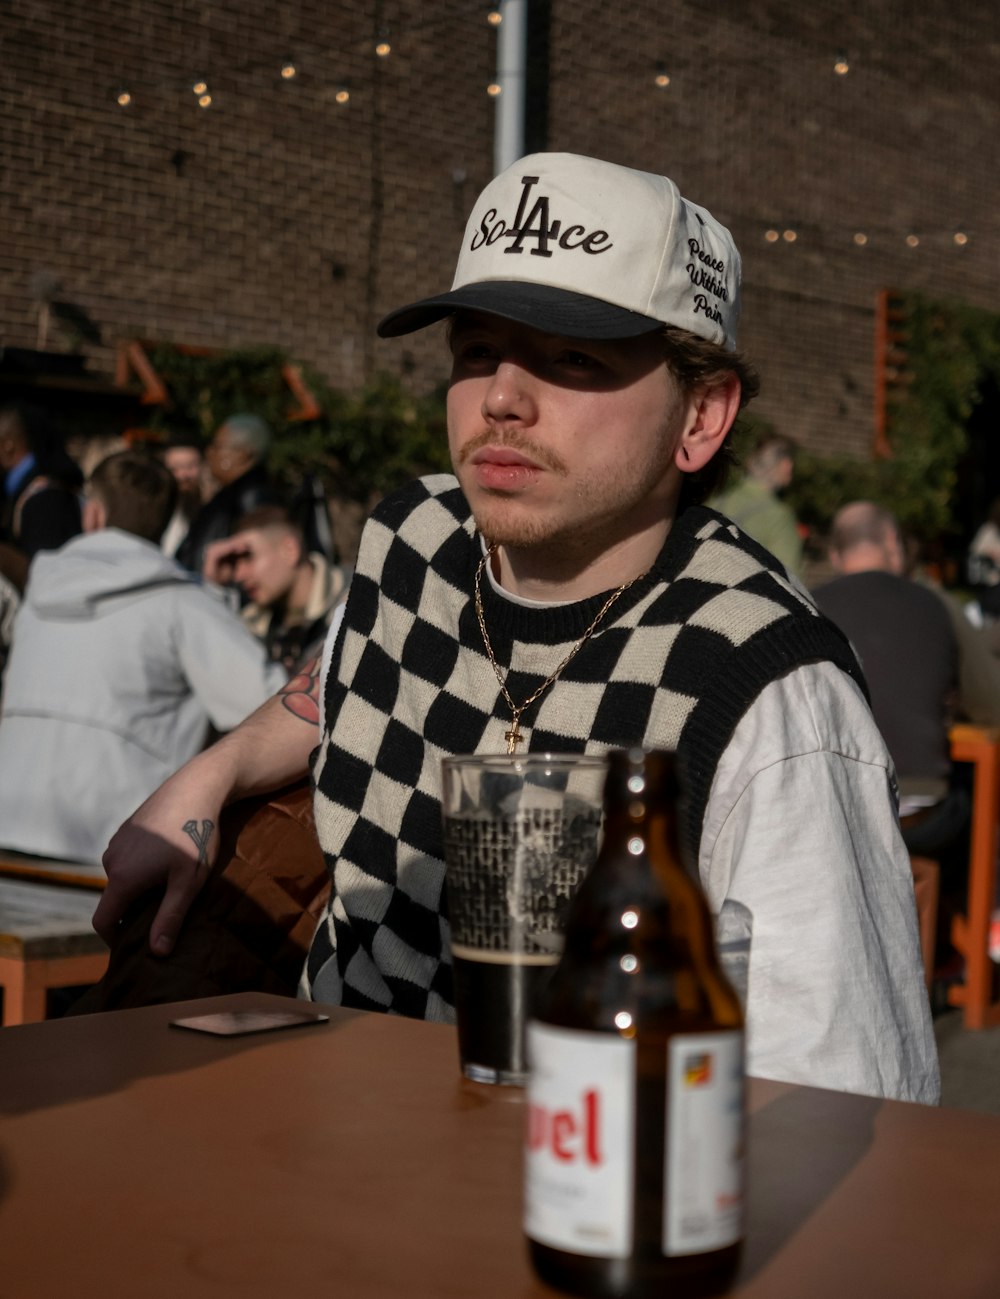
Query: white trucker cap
[[587, 249]]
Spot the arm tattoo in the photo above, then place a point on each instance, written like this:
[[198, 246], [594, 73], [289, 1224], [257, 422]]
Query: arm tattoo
[[301, 695], [201, 838]]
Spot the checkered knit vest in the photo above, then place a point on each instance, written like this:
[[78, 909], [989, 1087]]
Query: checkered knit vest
[[675, 664]]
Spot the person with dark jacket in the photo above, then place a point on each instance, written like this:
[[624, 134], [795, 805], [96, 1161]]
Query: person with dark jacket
[[904, 637], [235, 457], [41, 485]]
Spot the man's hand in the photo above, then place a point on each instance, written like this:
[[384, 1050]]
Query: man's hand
[[171, 840], [219, 562]]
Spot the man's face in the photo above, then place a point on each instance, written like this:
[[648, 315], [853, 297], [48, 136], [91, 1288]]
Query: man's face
[[226, 459], [558, 440], [185, 465], [13, 446], [265, 563]]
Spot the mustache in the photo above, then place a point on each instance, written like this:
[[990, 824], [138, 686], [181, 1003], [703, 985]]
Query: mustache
[[514, 441]]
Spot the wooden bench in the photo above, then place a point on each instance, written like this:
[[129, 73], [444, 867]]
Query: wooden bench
[[46, 941], [48, 870]]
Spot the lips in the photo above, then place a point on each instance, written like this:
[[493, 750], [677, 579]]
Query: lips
[[503, 456], [503, 469]]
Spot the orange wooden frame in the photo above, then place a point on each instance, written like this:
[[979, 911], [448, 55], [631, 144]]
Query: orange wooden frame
[[132, 358]]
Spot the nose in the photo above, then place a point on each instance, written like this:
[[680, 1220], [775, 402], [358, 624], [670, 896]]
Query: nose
[[510, 397]]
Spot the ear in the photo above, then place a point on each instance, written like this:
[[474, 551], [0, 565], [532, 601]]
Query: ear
[[710, 417], [95, 515], [292, 549]]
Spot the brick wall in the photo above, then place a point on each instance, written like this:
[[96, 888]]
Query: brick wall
[[278, 216], [757, 126]]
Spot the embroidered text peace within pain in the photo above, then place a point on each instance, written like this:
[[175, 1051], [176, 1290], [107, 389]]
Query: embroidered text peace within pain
[[536, 226]]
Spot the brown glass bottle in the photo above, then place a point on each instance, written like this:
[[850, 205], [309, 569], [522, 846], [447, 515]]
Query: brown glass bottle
[[639, 975]]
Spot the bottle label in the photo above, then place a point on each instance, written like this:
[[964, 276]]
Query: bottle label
[[703, 1178], [580, 1141]]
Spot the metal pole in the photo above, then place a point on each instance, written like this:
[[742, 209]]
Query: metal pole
[[512, 57]]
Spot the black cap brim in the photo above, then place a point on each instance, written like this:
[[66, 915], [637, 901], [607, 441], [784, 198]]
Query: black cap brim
[[554, 311]]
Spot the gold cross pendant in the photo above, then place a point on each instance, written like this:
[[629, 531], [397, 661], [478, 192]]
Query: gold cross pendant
[[513, 738]]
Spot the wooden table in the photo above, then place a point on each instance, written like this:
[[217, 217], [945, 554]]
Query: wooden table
[[138, 1161], [970, 933]]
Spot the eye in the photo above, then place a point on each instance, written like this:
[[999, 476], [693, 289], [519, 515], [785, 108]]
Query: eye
[[475, 354], [582, 362]]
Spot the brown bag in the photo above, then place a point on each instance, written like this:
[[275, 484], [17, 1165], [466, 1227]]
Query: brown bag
[[250, 927]]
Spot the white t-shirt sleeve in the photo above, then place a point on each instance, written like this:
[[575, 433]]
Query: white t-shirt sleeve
[[801, 829]]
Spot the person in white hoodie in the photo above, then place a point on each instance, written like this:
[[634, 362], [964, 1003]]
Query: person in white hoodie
[[120, 664]]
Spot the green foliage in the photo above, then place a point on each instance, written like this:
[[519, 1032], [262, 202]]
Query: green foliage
[[951, 351], [362, 445]]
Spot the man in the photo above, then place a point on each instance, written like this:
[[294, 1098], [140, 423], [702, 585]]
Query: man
[[236, 459], [558, 597], [40, 507], [183, 457], [755, 502], [906, 641], [291, 593], [120, 662]]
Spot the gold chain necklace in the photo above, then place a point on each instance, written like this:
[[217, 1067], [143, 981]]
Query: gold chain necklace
[[514, 736]]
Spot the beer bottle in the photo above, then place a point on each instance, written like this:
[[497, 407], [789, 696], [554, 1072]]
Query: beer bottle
[[634, 1162]]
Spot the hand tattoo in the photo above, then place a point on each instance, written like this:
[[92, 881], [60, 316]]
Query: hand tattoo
[[201, 838], [301, 695]]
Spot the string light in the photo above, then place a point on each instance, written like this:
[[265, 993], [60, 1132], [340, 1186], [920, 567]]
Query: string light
[[860, 239], [960, 238], [200, 87], [288, 70], [789, 236], [383, 49], [494, 17], [493, 89], [912, 241], [771, 236], [841, 67], [123, 98], [343, 95], [662, 77], [204, 100]]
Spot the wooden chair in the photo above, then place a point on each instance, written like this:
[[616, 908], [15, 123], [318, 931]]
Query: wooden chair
[[979, 745]]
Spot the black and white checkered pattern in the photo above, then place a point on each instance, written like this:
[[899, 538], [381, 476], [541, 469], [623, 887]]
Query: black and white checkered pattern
[[677, 662]]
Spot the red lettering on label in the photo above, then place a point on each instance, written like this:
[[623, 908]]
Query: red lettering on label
[[592, 1126], [560, 1131], [563, 1127]]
